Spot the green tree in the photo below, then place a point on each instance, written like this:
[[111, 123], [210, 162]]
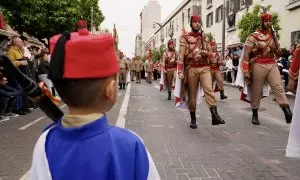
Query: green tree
[[209, 36], [250, 22], [45, 18], [157, 54]]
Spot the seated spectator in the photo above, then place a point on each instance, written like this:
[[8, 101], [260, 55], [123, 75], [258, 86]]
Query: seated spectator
[[7, 99]]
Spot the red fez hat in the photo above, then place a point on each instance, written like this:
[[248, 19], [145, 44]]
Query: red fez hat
[[265, 17], [213, 43], [81, 24], [80, 55], [170, 42], [195, 18]]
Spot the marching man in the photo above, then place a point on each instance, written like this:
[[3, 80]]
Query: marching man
[[138, 65], [123, 70], [169, 66], [193, 69], [149, 67], [293, 147], [216, 75], [261, 67]]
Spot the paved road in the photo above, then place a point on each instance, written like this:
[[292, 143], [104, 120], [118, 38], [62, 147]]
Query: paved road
[[236, 150], [16, 145]]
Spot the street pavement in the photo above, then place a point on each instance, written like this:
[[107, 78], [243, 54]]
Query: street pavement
[[236, 150], [18, 138]]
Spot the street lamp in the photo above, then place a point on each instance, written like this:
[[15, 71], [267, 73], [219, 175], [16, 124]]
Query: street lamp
[[161, 34], [223, 29], [171, 30]]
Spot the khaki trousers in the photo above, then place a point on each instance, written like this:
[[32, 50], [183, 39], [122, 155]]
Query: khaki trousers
[[138, 76], [270, 73], [122, 75], [202, 75], [149, 76], [217, 76], [170, 78]]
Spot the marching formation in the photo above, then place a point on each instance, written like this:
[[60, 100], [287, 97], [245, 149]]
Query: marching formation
[[194, 72]]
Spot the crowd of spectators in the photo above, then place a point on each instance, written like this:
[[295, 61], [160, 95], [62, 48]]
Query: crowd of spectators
[[232, 60], [32, 61]]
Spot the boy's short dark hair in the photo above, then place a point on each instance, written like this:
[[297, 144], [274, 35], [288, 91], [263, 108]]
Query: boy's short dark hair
[[80, 93]]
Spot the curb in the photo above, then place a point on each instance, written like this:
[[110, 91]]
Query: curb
[[288, 95]]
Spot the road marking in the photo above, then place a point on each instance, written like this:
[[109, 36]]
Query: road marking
[[5, 120], [32, 123], [123, 111], [25, 176]]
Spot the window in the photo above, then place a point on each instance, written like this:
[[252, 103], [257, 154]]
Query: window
[[231, 6], [189, 14], [209, 19], [219, 14], [182, 18], [209, 2], [295, 36]]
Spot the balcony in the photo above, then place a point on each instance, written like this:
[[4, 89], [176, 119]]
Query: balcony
[[293, 4]]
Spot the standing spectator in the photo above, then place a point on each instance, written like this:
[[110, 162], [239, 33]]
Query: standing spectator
[[43, 71], [155, 72], [235, 63], [229, 68]]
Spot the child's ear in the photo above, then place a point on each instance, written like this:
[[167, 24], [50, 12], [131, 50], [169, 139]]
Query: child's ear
[[110, 89]]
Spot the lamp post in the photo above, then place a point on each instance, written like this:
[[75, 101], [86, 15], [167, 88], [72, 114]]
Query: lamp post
[[161, 34], [223, 29], [171, 30]]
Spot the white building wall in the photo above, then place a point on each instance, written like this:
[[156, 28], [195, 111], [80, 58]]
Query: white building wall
[[151, 13], [184, 10], [288, 21]]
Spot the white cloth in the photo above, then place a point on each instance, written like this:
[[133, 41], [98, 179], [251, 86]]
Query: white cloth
[[240, 81], [293, 146], [27, 53], [177, 93], [229, 64]]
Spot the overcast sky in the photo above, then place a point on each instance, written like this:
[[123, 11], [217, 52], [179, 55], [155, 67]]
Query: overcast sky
[[125, 14]]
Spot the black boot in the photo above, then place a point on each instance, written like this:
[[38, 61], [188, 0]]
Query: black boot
[[169, 95], [255, 120], [193, 124], [123, 85], [216, 119], [120, 86], [288, 114], [222, 95]]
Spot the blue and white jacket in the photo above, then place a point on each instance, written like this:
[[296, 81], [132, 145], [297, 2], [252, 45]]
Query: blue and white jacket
[[96, 151]]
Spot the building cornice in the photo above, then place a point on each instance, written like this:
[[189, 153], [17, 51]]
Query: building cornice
[[174, 13]]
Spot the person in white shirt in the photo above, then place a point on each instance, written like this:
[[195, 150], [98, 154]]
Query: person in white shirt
[[27, 53], [229, 68]]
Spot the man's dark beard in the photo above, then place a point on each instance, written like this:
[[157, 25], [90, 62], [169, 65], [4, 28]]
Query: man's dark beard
[[171, 49], [194, 30], [264, 27]]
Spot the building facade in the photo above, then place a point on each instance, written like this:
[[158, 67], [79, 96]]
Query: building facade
[[138, 51], [151, 13], [212, 12], [172, 26]]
